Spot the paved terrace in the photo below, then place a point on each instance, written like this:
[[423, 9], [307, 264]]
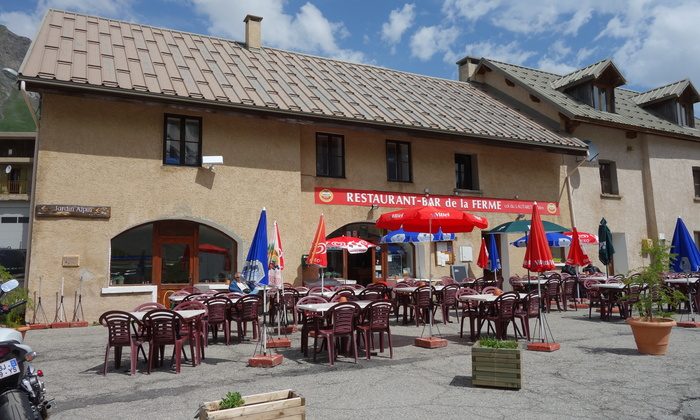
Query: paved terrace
[[596, 374]]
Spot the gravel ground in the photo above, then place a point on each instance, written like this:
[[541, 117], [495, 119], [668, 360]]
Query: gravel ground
[[596, 374]]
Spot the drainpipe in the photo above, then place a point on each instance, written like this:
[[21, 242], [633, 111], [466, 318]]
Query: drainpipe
[[32, 193]]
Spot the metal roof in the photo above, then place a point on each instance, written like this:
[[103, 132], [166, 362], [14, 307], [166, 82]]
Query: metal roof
[[591, 72], [627, 112], [672, 90], [74, 50]]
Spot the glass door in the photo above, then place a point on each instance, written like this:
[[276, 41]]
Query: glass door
[[174, 264]]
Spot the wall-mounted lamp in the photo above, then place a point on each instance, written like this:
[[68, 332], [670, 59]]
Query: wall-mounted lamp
[[210, 161], [374, 207], [426, 191]]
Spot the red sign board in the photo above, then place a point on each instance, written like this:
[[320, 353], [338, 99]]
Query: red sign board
[[348, 197]]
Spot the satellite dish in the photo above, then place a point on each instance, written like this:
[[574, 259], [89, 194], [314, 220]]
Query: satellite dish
[[9, 285], [8, 169]]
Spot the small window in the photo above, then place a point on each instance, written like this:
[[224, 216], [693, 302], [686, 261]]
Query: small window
[[465, 172], [398, 161], [684, 115], [600, 98], [8, 220], [330, 155], [696, 181], [22, 220], [608, 178], [182, 142]]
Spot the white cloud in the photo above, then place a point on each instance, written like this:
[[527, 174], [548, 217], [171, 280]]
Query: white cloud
[[428, 40], [469, 9], [308, 30], [27, 23], [554, 66], [663, 47], [509, 53], [399, 21]]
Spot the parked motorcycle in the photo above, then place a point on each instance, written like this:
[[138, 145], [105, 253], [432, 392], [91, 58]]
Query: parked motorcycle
[[22, 395]]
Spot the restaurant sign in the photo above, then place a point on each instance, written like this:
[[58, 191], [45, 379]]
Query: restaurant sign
[[348, 197], [66, 210]]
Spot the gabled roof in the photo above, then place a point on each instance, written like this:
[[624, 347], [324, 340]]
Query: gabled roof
[[592, 72], [672, 90], [627, 113], [75, 51]]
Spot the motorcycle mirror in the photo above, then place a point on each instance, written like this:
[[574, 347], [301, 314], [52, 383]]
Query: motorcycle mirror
[[9, 285]]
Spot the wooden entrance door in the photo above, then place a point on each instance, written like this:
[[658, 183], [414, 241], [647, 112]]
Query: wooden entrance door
[[175, 252]]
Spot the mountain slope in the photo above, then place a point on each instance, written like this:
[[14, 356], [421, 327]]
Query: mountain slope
[[14, 115]]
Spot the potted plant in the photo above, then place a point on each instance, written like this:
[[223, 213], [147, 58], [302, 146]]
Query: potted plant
[[271, 405], [653, 327], [496, 363], [14, 318]]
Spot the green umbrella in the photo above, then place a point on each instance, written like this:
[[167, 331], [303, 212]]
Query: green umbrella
[[605, 243], [524, 226]]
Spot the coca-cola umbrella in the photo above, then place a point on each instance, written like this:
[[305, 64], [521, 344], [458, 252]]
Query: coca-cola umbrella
[[352, 244], [431, 219]]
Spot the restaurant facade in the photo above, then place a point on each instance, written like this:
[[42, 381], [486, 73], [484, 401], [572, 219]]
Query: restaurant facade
[[126, 207]]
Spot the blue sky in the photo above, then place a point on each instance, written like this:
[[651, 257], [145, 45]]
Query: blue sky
[[652, 42]]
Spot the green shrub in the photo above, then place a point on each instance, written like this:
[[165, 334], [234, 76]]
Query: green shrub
[[493, 343], [231, 400]]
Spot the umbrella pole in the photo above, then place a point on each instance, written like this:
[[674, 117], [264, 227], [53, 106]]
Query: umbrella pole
[[430, 278], [264, 328], [279, 315], [690, 300], [322, 288]]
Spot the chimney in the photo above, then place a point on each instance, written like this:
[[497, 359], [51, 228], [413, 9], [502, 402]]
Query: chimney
[[252, 31], [467, 66]]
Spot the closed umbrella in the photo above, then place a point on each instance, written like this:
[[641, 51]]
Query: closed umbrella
[[687, 256], [494, 260], [605, 244], [577, 258], [538, 258], [317, 255], [483, 260], [255, 268]]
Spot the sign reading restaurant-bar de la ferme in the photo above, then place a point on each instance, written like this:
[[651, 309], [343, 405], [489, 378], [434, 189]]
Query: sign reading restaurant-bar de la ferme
[[67, 210], [348, 197]]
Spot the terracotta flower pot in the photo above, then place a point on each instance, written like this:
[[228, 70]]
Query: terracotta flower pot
[[342, 299], [651, 336]]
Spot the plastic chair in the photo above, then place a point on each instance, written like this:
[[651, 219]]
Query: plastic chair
[[204, 326], [568, 291], [149, 306], [349, 294], [164, 328], [421, 304], [217, 315], [309, 320], [502, 312], [530, 309], [123, 330], [448, 299], [377, 321], [342, 316], [469, 309], [243, 311], [592, 294], [488, 290], [371, 294], [551, 292]]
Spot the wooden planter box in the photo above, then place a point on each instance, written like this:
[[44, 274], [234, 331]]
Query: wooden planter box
[[500, 368], [285, 404]]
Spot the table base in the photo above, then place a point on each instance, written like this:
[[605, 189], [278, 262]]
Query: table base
[[548, 347], [688, 324], [276, 343], [430, 342], [265, 360]]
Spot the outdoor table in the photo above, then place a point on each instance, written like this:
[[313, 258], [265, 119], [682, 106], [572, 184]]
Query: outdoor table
[[191, 316], [176, 298], [613, 286], [486, 297], [326, 293], [598, 278], [535, 282], [689, 280], [411, 289], [611, 289], [324, 307], [187, 314]]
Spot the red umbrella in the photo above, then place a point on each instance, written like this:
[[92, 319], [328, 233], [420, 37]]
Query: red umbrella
[[429, 219], [576, 255], [317, 253], [538, 256], [483, 260], [352, 244], [584, 237]]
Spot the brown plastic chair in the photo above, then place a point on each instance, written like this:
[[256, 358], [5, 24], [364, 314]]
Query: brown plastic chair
[[342, 324], [515, 284], [243, 311], [310, 321], [148, 306], [470, 309], [217, 315], [349, 294], [551, 291], [568, 291], [203, 331], [447, 300], [529, 309], [421, 305], [371, 294], [501, 313], [377, 321], [164, 328], [488, 290], [592, 294], [123, 330]]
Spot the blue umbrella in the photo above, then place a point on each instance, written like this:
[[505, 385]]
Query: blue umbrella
[[255, 268], [686, 251], [494, 259], [402, 236], [553, 239]]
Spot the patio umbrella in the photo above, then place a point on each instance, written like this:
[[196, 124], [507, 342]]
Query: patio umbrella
[[317, 255], [553, 239], [494, 260], [483, 260], [524, 226], [276, 259], [401, 236], [577, 258], [687, 256], [255, 268], [431, 219], [352, 244], [605, 245], [538, 257], [584, 238]]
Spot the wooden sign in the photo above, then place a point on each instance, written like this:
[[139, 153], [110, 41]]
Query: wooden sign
[[67, 210]]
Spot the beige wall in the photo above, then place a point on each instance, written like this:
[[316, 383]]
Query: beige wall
[[109, 153]]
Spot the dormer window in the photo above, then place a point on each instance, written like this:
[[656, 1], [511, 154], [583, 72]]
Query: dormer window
[[673, 103], [593, 85], [684, 114], [600, 98]]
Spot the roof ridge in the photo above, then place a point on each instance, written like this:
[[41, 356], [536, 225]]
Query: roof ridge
[[677, 82], [587, 67], [241, 43], [522, 67]]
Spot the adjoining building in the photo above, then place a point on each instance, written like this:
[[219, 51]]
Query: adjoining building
[[647, 170], [126, 209]]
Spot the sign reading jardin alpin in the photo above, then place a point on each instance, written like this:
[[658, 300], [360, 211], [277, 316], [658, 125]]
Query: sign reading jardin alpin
[[68, 210]]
